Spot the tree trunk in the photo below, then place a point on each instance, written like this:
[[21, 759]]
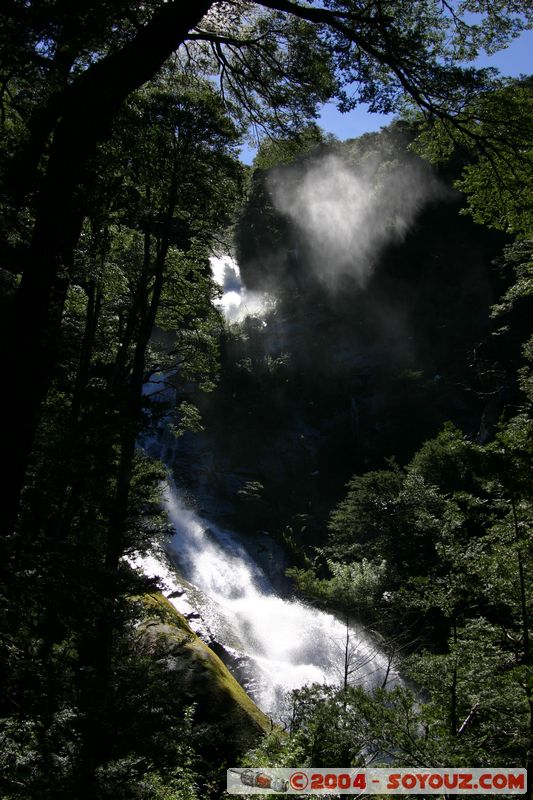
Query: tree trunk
[[92, 314], [97, 746], [453, 688]]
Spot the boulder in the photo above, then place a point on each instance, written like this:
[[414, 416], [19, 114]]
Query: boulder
[[231, 721]]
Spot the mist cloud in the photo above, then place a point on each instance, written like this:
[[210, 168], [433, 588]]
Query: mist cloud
[[346, 215]]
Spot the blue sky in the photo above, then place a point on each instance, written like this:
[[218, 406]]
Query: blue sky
[[517, 59]]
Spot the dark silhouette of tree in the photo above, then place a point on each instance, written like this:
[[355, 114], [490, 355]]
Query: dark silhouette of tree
[[386, 51]]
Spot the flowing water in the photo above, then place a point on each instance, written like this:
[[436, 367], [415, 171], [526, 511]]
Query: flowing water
[[286, 643], [283, 643]]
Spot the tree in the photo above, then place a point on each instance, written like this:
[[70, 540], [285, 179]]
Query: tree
[[92, 499], [497, 176], [387, 52]]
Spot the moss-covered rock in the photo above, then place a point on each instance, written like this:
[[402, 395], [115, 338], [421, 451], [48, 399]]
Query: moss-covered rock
[[231, 721]]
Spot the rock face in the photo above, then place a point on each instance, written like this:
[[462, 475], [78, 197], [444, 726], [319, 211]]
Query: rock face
[[331, 381], [231, 722]]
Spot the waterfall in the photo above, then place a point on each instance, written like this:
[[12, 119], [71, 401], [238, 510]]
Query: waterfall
[[236, 302], [286, 643], [212, 578]]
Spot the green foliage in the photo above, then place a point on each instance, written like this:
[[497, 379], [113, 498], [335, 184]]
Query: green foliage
[[497, 134], [498, 185], [273, 69], [101, 717], [190, 420], [471, 506], [272, 152], [277, 749], [448, 461], [523, 288], [148, 756], [358, 519], [355, 727], [355, 586], [391, 515]]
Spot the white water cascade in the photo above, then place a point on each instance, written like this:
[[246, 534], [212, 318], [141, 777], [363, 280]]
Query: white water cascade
[[286, 643], [279, 642]]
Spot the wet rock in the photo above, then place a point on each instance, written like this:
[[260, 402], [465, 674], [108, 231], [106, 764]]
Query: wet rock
[[234, 722]]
